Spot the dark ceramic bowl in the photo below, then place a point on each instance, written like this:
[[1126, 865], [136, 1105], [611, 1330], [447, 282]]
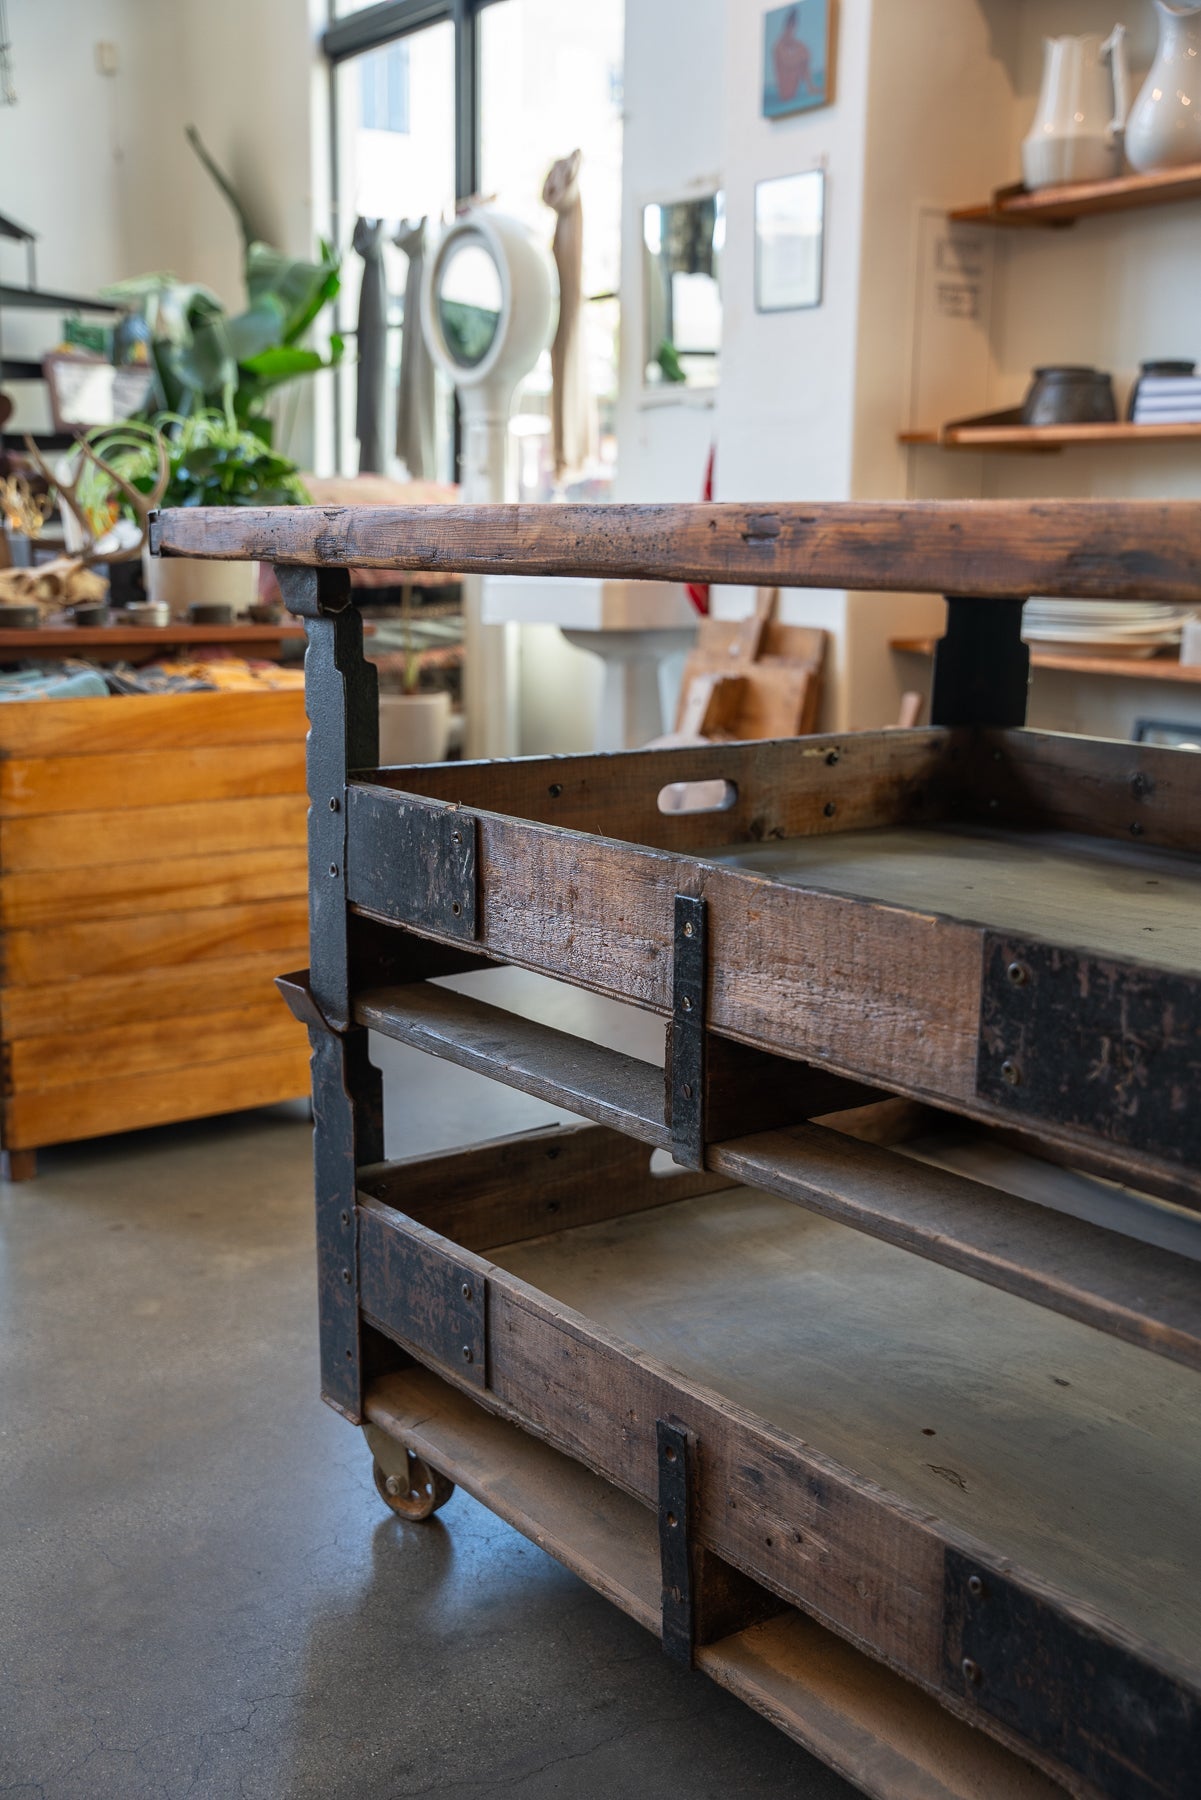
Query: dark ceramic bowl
[[210, 612], [89, 615], [1070, 394]]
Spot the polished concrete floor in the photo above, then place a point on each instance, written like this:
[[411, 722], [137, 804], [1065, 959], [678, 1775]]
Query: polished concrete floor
[[200, 1592]]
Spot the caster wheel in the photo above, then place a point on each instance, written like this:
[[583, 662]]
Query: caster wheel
[[427, 1490]]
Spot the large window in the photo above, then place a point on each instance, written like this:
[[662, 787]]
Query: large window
[[433, 101]]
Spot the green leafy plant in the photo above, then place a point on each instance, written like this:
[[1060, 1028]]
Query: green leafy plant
[[213, 461], [207, 359]]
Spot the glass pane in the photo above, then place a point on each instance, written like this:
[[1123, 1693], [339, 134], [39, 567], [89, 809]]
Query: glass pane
[[550, 83], [682, 244], [469, 302], [395, 161]]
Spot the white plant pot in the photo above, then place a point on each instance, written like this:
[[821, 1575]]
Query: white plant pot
[[413, 728], [180, 581]]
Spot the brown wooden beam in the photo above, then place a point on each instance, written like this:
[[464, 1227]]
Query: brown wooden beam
[[1083, 549]]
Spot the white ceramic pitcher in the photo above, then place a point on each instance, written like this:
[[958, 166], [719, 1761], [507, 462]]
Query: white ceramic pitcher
[[1164, 130], [1082, 106]]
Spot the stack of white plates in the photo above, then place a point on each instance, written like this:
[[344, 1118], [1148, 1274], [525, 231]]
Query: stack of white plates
[[1103, 627]]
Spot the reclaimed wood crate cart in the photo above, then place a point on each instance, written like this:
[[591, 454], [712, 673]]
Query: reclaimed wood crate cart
[[908, 1459]]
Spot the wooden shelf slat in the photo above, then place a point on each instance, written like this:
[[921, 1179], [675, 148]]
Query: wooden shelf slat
[[1004, 431], [104, 637], [1064, 204], [1151, 668]]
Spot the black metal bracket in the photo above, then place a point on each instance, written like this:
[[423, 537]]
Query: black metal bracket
[[1101, 1046], [689, 959], [675, 1540], [981, 666], [410, 863], [1092, 1705]]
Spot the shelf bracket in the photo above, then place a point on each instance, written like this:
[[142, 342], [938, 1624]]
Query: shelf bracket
[[688, 1048], [675, 1533]]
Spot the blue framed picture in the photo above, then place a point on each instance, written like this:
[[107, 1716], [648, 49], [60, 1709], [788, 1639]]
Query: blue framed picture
[[796, 57]]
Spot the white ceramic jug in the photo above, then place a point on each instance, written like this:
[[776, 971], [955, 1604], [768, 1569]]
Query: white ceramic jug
[[1165, 121], [1077, 130]]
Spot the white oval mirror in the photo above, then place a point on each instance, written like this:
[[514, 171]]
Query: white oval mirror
[[469, 302]]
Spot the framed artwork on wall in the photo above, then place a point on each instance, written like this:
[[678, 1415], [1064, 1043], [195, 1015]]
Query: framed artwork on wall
[[796, 57], [790, 216]]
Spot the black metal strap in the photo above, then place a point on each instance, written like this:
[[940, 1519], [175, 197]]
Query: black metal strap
[[688, 1033], [981, 666], [675, 1540]]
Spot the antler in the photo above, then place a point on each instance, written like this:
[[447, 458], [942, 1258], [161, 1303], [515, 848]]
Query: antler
[[68, 493]]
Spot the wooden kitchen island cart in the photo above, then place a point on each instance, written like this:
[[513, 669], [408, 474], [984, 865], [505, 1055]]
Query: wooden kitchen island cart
[[879, 1397]]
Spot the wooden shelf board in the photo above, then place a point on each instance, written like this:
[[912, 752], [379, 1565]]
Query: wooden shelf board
[[1063, 205], [117, 643], [1005, 431], [870, 1725], [1152, 668]]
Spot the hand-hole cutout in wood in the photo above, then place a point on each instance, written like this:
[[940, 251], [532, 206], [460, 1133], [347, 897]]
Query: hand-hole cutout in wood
[[697, 796], [663, 1163]]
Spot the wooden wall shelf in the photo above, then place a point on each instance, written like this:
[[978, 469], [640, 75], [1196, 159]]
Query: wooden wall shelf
[[1059, 206], [1005, 431], [135, 643], [1151, 668]]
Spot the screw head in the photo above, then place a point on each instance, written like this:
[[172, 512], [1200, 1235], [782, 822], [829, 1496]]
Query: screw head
[[468, 1353], [1011, 1073], [394, 1487], [555, 789], [972, 1673], [466, 1290], [975, 1587], [1017, 974], [455, 908], [457, 836], [686, 1003], [832, 757], [333, 869], [689, 929], [829, 809], [687, 1090], [334, 803], [346, 1276], [1136, 829], [345, 1218]]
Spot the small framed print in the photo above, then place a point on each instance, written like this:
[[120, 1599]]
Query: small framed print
[[796, 57], [789, 237], [1173, 734]]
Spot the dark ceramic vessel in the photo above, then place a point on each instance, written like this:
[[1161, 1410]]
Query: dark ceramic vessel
[[1070, 394]]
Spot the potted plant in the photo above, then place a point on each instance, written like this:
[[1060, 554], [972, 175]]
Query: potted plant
[[211, 461], [414, 722]]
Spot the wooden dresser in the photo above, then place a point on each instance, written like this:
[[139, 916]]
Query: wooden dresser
[[152, 883]]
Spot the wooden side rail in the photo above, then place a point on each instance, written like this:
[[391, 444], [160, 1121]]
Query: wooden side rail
[[983, 549]]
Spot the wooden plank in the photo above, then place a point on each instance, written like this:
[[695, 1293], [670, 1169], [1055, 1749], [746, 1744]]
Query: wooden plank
[[93, 727], [78, 784], [1141, 793], [590, 1079], [1116, 549], [133, 890], [1142, 1295], [782, 789], [153, 834], [874, 1728], [97, 1108], [111, 947], [1130, 668], [113, 643], [518, 1187], [87, 1003], [181, 1041]]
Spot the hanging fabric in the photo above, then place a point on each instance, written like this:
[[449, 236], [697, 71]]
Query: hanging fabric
[[571, 408], [415, 433], [373, 346]]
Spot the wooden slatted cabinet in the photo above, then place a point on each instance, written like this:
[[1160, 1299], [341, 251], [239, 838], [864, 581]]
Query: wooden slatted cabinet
[[152, 882]]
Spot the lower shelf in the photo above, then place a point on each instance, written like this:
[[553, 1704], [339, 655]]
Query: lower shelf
[[873, 1727]]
